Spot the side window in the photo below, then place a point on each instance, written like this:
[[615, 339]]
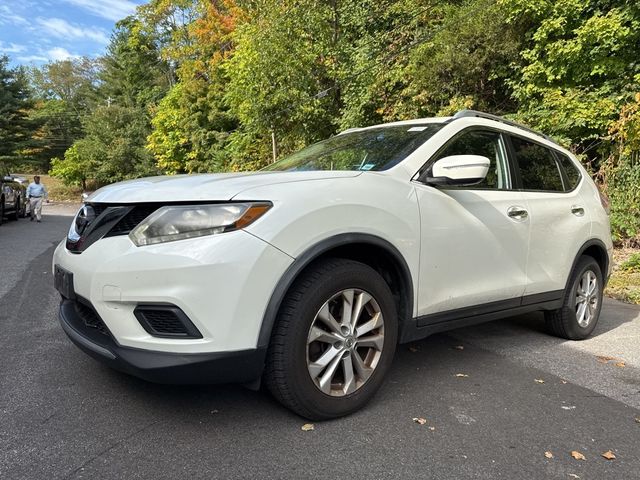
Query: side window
[[538, 167], [570, 169], [488, 144]]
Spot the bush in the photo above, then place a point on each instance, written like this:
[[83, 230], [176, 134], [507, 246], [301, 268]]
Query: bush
[[632, 264]]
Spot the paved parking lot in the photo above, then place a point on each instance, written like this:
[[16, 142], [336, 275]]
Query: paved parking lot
[[496, 397]]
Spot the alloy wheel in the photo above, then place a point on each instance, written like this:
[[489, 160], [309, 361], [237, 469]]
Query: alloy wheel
[[345, 342], [587, 297]]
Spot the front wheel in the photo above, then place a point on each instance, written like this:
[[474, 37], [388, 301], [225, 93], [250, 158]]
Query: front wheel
[[16, 212], [582, 302], [333, 341]]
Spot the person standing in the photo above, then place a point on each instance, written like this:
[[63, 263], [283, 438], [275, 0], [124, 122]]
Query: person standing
[[36, 192]]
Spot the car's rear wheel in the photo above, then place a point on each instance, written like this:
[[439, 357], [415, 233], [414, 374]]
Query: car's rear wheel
[[333, 341], [582, 302]]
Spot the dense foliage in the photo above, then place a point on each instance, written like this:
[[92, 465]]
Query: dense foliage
[[202, 85]]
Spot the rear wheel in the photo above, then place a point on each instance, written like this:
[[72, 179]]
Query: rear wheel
[[582, 302], [333, 341]]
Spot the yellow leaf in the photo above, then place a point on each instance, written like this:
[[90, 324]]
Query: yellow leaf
[[609, 455], [620, 364], [420, 420], [548, 454], [307, 427], [539, 380], [577, 455], [461, 375], [604, 358]]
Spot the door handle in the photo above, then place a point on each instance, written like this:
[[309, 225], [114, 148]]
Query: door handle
[[517, 213], [577, 210]]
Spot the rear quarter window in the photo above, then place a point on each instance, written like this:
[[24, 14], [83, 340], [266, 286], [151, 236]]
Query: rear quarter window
[[538, 166], [572, 172]]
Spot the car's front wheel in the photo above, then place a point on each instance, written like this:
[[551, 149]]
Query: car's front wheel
[[333, 341], [16, 212], [582, 302]]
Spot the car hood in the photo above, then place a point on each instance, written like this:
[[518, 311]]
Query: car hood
[[202, 187]]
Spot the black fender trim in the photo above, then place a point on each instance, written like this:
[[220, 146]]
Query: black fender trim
[[302, 261], [594, 242]]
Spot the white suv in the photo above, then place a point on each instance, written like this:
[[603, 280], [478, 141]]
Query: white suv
[[308, 273]]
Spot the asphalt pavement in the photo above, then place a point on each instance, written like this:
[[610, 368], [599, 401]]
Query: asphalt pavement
[[495, 397]]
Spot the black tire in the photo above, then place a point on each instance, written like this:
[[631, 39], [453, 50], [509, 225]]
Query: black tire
[[286, 372], [564, 321], [16, 213], [1, 212]]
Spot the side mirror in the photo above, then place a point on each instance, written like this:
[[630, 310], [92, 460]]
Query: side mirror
[[458, 170]]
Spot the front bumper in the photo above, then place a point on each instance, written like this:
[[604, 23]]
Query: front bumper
[[222, 283], [160, 367]]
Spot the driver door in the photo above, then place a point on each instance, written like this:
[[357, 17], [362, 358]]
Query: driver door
[[473, 253]]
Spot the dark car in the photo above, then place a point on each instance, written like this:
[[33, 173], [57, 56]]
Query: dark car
[[12, 195]]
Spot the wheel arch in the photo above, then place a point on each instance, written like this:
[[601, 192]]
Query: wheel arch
[[372, 250], [595, 249]]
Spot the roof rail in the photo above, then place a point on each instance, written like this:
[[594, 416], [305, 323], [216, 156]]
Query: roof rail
[[496, 118]]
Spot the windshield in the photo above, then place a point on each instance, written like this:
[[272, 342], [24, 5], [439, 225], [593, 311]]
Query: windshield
[[372, 149]]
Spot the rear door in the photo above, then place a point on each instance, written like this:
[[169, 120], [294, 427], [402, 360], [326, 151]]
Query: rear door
[[559, 221], [473, 249]]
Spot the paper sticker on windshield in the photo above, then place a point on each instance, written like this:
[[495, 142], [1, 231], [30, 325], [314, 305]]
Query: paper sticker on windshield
[[416, 129], [367, 166]]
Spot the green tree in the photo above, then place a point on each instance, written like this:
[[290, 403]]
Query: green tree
[[580, 66], [133, 79], [15, 102], [191, 125]]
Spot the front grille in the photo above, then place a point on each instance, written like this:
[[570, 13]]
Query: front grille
[[166, 321], [98, 208], [131, 220], [90, 318]]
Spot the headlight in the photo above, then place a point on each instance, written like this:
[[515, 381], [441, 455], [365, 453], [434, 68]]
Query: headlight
[[82, 220], [188, 221]]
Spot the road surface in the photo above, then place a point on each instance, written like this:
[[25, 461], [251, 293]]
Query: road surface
[[496, 397]]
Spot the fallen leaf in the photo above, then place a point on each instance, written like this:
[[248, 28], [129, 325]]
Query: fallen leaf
[[461, 375], [637, 419], [609, 455], [620, 364], [413, 349], [420, 420], [459, 347], [577, 455], [564, 382], [548, 454], [307, 427], [604, 358], [568, 407], [214, 411], [573, 475], [539, 380], [432, 428]]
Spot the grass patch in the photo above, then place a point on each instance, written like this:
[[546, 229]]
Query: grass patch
[[624, 283]]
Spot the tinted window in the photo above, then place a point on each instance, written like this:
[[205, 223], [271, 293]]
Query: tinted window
[[488, 144], [538, 167], [371, 149], [572, 172]]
